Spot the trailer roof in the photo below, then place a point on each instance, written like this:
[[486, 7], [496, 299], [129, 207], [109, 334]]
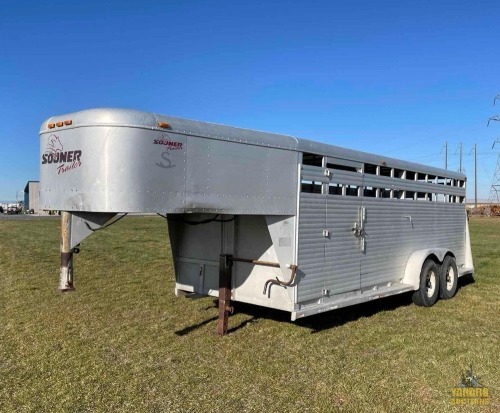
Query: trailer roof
[[146, 120]]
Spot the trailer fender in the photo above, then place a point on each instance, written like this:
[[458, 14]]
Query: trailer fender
[[415, 262]]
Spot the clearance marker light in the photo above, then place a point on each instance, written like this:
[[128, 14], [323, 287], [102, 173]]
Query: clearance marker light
[[164, 125], [60, 124]]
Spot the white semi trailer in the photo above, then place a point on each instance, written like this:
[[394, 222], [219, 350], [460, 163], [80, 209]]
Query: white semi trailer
[[260, 218]]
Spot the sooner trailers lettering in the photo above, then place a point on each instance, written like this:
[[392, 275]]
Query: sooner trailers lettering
[[60, 157]]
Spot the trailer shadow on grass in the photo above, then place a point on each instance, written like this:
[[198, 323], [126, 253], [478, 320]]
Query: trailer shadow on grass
[[194, 327], [319, 322], [345, 315], [337, 318], [253, 312], [465, 281], [324, 321]]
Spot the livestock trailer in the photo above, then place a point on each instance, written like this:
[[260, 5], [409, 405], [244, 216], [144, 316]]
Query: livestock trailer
[[260, 218]]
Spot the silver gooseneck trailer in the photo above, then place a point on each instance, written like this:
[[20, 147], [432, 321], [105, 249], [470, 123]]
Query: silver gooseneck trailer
[[260, 218]]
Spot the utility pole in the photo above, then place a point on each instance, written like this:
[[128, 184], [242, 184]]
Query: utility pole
[[475, 176], [445, 155], [460, 149]]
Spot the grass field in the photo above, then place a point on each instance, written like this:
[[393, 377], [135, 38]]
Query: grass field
[[124, 343]]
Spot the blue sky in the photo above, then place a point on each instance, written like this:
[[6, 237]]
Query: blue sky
[[397, 78]]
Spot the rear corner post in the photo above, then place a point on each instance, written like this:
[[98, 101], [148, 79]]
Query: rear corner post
[[225, 264], [66, 274]]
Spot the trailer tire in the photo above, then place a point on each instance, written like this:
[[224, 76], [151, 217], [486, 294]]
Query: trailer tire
[[428, 292], [448, 279]]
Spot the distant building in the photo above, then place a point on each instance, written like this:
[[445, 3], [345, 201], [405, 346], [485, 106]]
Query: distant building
[[32, 197]]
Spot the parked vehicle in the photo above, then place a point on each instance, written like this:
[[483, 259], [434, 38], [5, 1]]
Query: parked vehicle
[[13, 209], [260, 218]]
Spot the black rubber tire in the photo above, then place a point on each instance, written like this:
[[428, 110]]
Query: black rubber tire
[[448, 279], [428, 292]]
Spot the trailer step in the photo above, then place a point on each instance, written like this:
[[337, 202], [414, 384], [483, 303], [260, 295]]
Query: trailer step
[[335, 303]]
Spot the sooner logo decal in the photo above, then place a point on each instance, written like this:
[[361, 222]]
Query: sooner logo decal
[[56, 154], [166, 141]]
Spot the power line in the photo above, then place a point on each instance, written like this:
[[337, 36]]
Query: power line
[[406, 147], [496, 118], [426, 158], [486, 153]]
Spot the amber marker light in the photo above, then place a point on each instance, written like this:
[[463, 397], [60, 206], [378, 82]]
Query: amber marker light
[[59, 124], [164, 125], [51, 125], [68, 122]]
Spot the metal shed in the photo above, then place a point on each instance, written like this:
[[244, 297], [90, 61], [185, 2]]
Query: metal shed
[[32, 196], [256, 217]]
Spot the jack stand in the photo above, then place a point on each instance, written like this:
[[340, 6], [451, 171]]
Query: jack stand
[[66, 275], [225, 264]]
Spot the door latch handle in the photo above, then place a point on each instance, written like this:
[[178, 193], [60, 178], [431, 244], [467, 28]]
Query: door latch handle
[[357, 230]]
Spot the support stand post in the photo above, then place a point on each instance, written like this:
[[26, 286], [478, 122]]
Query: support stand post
[[225, 264], [66, 274]]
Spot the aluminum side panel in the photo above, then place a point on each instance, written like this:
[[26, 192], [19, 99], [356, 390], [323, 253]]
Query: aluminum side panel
[[254, 241], [311, 246], [196, 250], [390, 236], [126, 169], [240, 179], [118, 170], [338, 264]]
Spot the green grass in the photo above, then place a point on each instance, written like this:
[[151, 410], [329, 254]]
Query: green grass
[[124, 343]]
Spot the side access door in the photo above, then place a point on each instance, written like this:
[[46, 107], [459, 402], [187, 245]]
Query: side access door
[[330, 241], [345, 223]]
